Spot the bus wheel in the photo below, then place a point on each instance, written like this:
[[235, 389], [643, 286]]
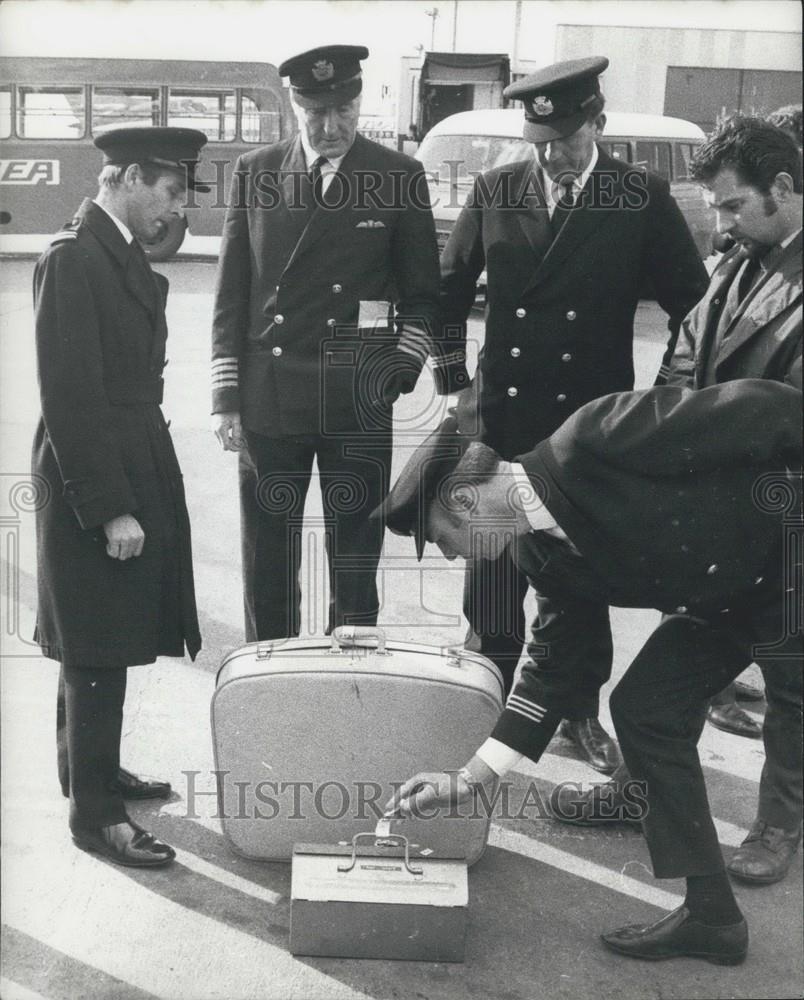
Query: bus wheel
[[173, 238]]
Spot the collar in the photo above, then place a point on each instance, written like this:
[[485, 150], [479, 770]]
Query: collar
[[577, 185], [124, 230], [310, 156], [786, 243]]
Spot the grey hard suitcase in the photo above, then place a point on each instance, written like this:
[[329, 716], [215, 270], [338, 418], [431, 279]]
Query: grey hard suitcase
[[310, 735]]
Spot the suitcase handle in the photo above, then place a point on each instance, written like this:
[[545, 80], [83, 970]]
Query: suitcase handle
[[355, 636], [392, 840]]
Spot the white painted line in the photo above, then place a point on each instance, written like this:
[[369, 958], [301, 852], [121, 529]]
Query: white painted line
[[556, 769], [9, 990], [229, 879], [519, 843]]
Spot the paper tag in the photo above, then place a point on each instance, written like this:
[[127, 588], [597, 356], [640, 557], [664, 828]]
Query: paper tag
[[383, 827], [374, 313]]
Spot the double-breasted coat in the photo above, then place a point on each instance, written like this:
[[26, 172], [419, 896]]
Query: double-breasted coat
[[560, 313], [102, 448], [287, 351]]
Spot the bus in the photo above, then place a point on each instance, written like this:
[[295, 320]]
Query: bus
[[459, 147], [51, 109]]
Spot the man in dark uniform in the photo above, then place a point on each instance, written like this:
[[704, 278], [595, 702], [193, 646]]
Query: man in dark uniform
[[569, 242], [327, 292], [748, 325], [664, 498], [113, 541]]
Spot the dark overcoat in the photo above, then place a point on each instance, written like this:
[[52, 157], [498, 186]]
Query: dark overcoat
[[103, 449], [560, 314], [301, 341]]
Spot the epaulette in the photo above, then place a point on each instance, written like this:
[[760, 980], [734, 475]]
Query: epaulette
[[68, 232]]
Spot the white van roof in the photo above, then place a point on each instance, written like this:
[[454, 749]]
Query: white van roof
[[508, 122]]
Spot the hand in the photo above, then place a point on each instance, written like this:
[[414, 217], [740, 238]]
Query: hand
[[124, 536], [400, 381], [428, 789], [228, 430]]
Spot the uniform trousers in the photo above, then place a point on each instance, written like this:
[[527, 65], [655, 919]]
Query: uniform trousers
[[89, 723], [275, 476], [659, 709], [570, 642]]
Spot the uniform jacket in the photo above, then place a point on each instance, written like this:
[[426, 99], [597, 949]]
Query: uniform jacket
[[560, 314], [286, 348], [676, 499], [102, 449], [661, 490], [762, 339]]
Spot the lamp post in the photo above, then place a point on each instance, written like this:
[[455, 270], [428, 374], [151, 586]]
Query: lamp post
[[432, 13]]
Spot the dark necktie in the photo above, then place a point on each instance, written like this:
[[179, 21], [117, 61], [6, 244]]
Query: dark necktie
[[318, 181], [563, 207]]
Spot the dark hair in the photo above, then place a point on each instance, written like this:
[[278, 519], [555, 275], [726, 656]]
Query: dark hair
[[595, 107], [756, 150], [788, 119]]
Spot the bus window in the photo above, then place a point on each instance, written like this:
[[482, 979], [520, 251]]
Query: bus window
[[5, 112], [50, 112], [212, 112], [655, 156], [261, 117], [120, 107], [618, 150], [682, 154]]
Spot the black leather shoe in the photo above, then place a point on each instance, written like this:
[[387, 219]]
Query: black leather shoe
[[599, 806], [732, 719], [747, 692], [678, 935], [126, 844], [132, 787], [594, 743], [765, 855]]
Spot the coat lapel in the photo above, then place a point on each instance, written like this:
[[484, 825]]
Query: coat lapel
[[321, 221], [776, 292], [137, 276], [531, 208], [586, 218]]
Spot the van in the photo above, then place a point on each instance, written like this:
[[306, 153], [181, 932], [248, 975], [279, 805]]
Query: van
[[458, 148]]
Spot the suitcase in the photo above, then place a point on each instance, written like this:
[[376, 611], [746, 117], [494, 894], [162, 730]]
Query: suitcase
[[311, 736]]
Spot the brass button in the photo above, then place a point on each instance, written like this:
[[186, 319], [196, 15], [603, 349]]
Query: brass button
[[712, 569], [521, 313], [513, 391], [337, 289], [682, 609], [515, 352], [561, 397], [330, 322], [277, 352], [566, 357], [571, 314], [279, 319]]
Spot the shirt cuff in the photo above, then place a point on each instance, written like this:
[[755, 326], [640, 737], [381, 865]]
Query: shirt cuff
[[539, 517], [499, 757]]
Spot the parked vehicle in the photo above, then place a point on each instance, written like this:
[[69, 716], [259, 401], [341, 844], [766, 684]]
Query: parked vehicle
[[458, 148], [52, 108]]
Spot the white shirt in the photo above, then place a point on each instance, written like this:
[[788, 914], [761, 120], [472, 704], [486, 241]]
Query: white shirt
[[552, 191], [124, 230], [328, 168]]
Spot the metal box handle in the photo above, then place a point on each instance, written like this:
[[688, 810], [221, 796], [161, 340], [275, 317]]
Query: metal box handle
[[392, 840]]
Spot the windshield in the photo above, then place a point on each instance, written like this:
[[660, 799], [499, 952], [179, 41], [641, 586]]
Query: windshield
[[460, 158]]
